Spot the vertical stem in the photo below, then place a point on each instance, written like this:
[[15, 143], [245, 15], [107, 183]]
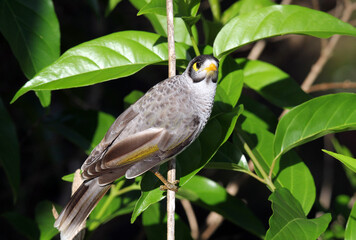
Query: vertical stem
[[215, 9], [171, 174]]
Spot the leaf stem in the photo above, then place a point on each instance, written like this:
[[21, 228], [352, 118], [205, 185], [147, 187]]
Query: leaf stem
[[114, 192], [272, 166], [192, 39], [266, 179]]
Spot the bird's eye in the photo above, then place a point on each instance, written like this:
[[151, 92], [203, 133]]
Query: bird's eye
[[196, 66]]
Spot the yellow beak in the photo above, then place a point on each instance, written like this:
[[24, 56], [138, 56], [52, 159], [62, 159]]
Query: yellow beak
[[212, 67]]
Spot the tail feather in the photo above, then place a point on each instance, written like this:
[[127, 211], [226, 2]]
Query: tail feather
[[79, 207]]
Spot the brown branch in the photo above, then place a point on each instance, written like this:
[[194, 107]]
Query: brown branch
[[171, 174], [327, 51], [332, 85], [192, 220]]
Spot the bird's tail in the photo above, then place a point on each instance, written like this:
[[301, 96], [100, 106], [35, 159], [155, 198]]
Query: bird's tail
[[79, 207]]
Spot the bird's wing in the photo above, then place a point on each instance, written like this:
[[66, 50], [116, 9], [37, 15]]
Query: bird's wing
[[126, 152], [114, 131], [138, 153], [169, 146]]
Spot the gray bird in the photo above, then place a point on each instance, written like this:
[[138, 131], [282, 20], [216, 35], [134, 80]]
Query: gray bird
[[160, 125]]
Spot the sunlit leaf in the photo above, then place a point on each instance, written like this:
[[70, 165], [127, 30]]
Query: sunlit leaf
[[315, 118], [113, 56], [243, 6], [348, 161], [290, 171], [275, 21], [350, 231]]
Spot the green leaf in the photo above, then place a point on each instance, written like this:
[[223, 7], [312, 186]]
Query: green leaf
[[289, 222], [32, 31], [9, 150], [181, 8], [244, 6], [229, 157], [154, 220], [191, 160], [313, 119], [274, 21], [231, 81], [113, 56], [132, 97], [210, 195], [260, 111], [22, 224], [350, 231], [159, 23], [348, 161], [45, 220], [290, 171], [272, 83], [68, 177]]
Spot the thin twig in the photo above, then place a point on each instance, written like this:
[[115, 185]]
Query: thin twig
[[327, 51], [171, 174], [192, 220], [332, 85]]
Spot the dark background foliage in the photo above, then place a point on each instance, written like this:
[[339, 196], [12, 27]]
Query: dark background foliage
[[46, 156]]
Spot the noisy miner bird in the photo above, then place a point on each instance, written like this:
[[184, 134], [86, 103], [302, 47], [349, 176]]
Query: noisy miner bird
[[161, 124]]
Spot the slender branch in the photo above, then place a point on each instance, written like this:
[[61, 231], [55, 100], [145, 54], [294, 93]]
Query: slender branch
[[327, 51], [192, 220], [332, 85], [171, 174], [266, 179]]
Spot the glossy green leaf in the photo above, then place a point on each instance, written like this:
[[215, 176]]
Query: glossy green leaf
[[181, 8], [113, 56], [244, 6], [229, 157], [22, 224], [274, 21], [272, 83], [290, 171], [159, 23], [315, 118], [32, 31], [210, 195], [154, 220], [350, 231], [348, 161], [44, 97], [289, 222], [45, 220], [231, 81], [351, 175], [9, 150], [191, 160]]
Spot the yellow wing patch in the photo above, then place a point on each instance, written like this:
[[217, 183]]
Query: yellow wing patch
[[138, 155]]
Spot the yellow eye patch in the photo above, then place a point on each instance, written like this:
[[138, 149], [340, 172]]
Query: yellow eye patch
[[195, 67]]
